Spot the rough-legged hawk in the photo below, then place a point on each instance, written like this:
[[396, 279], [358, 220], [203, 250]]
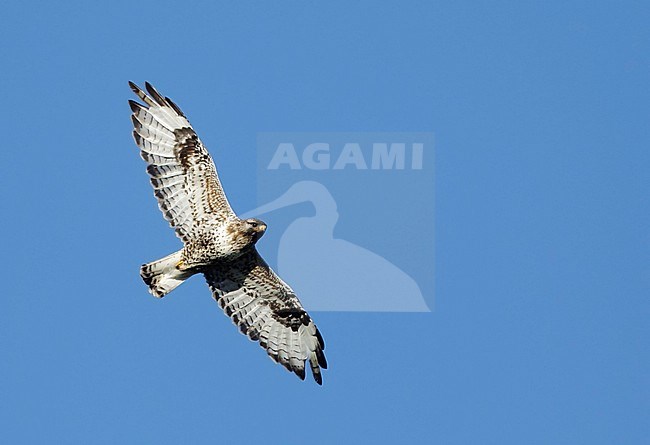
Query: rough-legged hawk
[[216, 242]]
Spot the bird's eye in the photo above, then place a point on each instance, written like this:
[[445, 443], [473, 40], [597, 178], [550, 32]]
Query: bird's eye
[[253, 224]]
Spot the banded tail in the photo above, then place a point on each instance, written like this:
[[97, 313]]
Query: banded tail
[[163, 276]]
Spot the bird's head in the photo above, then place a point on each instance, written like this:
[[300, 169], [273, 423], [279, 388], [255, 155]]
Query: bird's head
[[254, 228], [245, 232]]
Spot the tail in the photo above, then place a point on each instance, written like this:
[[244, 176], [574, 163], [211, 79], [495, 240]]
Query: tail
[[163, 276]]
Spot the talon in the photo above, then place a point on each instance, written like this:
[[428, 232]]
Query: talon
[[180, 264]]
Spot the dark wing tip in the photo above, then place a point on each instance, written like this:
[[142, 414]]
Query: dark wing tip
[[174, 106], [300, 372], [137, 138], [135, 121], [318, 378], [135, 107], [322, 362], [141, 94], [155, 94]]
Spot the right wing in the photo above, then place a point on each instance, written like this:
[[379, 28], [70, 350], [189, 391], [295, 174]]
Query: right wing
[[266, 310], [182, 172]]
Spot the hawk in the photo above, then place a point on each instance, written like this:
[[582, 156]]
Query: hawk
[[216, 243]]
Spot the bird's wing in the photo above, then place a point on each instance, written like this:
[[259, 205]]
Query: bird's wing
[[182, 172], [267, 310]]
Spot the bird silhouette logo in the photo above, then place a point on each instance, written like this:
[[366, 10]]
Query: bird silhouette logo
[[333, 274]]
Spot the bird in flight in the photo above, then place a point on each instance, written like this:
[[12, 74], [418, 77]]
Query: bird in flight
[[216, 242]]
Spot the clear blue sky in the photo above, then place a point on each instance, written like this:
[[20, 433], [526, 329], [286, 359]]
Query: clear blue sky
[[540, 329]]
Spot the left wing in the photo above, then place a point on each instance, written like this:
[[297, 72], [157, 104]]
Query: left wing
[[266, 310], [183, 175]]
